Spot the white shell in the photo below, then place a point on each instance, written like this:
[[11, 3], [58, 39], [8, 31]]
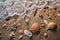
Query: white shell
[[20, 36], [28, 33]]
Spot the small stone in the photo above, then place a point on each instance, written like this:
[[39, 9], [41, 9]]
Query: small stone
[[21, 32], [35, 28], [28, 33], [5, 25], [58, 15], [52, 25], [14, 24], [19, 24], [8, 18], [45, 35], [27, 21], [43, 25]]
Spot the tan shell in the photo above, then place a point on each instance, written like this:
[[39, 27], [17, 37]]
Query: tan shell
[[35, 27], [21, 32], [52, 25]]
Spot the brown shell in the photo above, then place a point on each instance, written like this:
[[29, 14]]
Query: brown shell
[[52, 25], [21, 32], [35, 28]]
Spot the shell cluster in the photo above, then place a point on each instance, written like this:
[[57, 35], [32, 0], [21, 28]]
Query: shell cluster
[[24, 7]]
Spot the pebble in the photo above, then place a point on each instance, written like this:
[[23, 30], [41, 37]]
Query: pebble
[[45, 35], [58, 15], [27, 21], [19, 24]]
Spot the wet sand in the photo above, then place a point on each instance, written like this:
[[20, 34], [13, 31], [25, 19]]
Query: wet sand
[[35, 18]]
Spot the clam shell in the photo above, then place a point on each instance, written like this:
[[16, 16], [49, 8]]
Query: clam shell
[[35, 28]]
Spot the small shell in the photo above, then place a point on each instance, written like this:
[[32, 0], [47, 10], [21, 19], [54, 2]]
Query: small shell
[[35, 28], [21, 32], [52, 25], [14, 23], [28, 33]]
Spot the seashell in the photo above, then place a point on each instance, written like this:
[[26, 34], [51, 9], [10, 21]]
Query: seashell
[[21, 32], [28, 33], [20, 37], [35, 28], [14, 23], [52, 25]]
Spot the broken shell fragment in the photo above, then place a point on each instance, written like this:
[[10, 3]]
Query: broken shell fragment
[[21, 32], [35, 28], [52, 25], [28, 33], [20, 37]]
